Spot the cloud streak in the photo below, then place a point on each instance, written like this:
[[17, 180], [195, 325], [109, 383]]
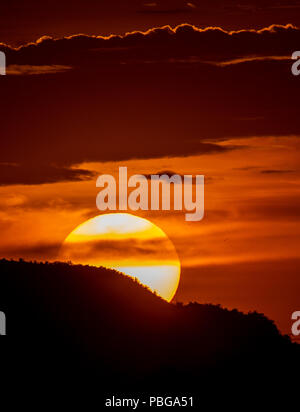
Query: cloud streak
[[23, 69], [138, 96], [35, 175], [182, 40]]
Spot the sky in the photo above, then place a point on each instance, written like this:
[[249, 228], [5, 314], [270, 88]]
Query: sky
[[25, 21], [187, 87]]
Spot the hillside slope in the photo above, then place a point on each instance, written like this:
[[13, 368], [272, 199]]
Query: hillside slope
[[81, 325]]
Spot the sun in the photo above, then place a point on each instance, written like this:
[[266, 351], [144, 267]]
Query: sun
[[129, 244]]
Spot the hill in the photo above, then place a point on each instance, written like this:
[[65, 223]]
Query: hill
[[71, 326]]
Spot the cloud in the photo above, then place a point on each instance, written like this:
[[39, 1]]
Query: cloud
[[34, 175], [167, 7], [161, 43], [37, 251], [276, 209], [144, 95], [119, 250], [101, 250], [23, 69], [26, 22], [169, 173], [276, 171], [247, 59]]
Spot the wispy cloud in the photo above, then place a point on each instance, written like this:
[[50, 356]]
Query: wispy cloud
[[246, 59], [25, 69]]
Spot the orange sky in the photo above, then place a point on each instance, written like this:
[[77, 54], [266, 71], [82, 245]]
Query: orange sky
[[206, 89], [251, 225]]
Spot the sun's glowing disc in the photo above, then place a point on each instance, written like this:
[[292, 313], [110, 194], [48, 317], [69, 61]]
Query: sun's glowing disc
[[129, 244]]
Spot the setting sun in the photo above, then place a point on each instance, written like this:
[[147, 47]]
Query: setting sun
[[129, 244]]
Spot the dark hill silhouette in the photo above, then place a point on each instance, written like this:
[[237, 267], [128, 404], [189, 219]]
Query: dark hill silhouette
[[85, 327]]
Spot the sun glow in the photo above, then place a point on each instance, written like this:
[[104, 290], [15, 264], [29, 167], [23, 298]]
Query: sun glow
[[129, 244]]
